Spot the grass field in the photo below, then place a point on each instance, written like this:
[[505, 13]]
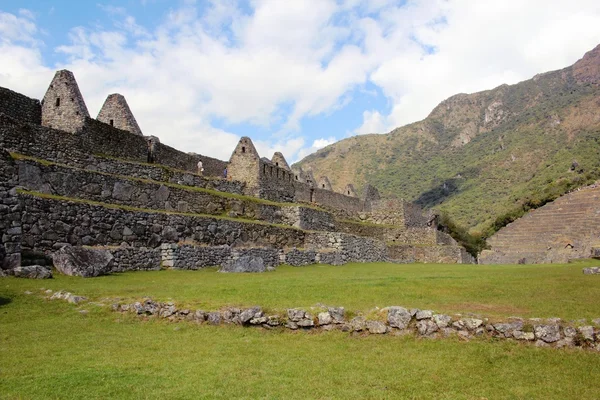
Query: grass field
[[48, 349]]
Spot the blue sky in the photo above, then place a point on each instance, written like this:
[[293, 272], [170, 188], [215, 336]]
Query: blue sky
[[293, 75]]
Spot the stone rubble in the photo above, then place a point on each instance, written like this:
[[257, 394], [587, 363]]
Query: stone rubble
[[32, 272], [394, 320], [591, 271]]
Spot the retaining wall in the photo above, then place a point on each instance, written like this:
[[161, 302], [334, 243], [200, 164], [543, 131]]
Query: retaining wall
[[49, 223], [10, 214], [20, 107]]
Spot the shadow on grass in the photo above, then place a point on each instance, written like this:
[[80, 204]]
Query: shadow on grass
[[4, 301]]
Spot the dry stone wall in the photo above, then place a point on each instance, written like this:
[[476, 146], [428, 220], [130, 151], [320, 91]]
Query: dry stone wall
[[351, 248], [19, 107], [10, 214], [192, 257], [135, 259], [95, 138], [276, 183], [395, 320], [75, 183], [429, 254], [49, 223]]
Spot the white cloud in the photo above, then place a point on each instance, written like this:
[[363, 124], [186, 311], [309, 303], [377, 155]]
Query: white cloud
[[478, 46], [373, 122], [316, 145]]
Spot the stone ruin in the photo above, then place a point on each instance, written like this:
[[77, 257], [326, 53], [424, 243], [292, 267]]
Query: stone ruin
[[99, 185]]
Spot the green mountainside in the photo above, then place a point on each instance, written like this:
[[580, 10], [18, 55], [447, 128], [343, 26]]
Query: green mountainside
[[484, 158]]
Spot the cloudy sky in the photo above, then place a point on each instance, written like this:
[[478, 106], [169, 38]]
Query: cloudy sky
[[294, 75]]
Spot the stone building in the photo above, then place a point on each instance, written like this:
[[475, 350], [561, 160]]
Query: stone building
[[63, 107], [116, 112]]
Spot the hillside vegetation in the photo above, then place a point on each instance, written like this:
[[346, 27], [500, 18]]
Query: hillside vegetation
[[484, 158]]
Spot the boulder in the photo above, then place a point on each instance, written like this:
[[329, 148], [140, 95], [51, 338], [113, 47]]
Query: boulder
[[245, 264], [32, 272], [441, 320], [82, 261], [376, 327], [424, 314], [337, 313], [547, 333], [324, 318], [426, 327], [399, 317]]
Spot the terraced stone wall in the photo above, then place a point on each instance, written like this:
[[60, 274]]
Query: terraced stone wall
[[330, 199], [49, 223], [20, 107], [10, 214], [565, 229], [351, 248], [90, 185], [96, 138]]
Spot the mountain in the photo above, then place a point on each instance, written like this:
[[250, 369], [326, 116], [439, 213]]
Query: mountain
[[484, 158]]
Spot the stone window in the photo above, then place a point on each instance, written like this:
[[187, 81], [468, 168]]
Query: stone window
[[277, 164], [264, 168], [57, 102], [112, 122], [296, 177], [348, 193], [243, 149], [323, 186]]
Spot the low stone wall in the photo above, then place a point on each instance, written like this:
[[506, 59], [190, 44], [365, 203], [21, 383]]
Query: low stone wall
[[10, 214], [394, 320], [429, 254], [135, 259], [298, 258], [20, 107], [192, 257], [48, 223]]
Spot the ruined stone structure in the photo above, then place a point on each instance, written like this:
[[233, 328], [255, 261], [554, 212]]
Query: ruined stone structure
[[116, 112], [63, 106], [68, 179], [564, 229]]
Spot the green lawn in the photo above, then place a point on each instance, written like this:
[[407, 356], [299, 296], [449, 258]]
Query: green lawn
[[495, 291], [48, 349]]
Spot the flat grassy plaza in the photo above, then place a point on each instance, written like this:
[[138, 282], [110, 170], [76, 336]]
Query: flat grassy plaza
[[51, 349]]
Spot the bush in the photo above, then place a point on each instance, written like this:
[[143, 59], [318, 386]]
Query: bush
[[473, 243]]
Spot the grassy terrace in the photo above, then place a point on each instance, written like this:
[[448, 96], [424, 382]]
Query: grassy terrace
[[213, 192], [148, 210], [48, 349]]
